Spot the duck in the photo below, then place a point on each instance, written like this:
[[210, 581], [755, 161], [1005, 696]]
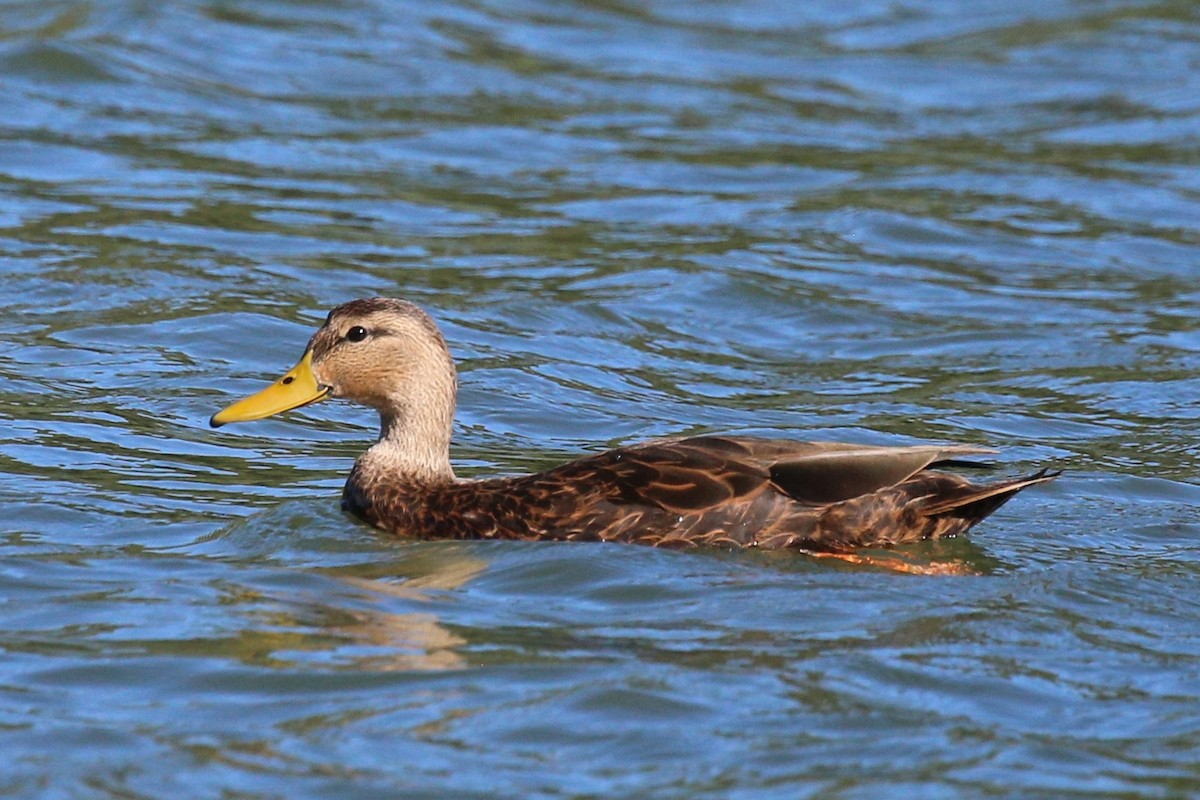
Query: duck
[[724, 491]]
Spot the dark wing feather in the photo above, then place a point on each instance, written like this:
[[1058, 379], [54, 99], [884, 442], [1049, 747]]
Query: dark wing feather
[[842, 474]]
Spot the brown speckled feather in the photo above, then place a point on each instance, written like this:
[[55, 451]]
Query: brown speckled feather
[[721, 491], [705, 491]]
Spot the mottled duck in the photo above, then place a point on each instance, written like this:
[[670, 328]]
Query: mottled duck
[[715, 491]]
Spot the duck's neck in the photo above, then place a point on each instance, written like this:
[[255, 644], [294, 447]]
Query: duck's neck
[[414, 441]]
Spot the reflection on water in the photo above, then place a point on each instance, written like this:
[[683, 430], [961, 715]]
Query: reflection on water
[[865, 222], [413, 641]]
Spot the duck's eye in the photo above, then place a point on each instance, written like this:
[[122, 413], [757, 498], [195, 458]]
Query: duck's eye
[[356, 334]]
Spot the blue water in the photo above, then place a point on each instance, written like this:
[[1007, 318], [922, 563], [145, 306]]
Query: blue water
[[875, 222]]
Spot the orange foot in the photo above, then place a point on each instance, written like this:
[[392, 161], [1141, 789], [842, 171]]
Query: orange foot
[[896, 564]]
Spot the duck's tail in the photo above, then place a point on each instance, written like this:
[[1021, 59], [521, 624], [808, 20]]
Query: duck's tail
[[974, 502]]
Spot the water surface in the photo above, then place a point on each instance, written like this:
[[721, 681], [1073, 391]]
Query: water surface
[[873, 222]]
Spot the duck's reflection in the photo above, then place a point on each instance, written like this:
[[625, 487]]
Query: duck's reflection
[[407, 640], [354, 635]]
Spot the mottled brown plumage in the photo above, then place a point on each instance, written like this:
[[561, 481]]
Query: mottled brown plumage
[[722, 491]]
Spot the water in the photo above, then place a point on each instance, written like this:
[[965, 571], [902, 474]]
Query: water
[[874, 222]]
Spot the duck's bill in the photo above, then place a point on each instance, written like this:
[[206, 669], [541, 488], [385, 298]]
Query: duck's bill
[[297, 388]]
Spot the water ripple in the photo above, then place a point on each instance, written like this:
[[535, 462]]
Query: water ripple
[[867, 222]]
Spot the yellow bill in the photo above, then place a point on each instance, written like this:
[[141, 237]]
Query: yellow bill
[[297, 388]]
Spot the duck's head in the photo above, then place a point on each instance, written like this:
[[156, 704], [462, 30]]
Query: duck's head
[[384, 353]]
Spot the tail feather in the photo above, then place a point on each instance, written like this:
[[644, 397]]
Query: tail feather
[[976, 502]]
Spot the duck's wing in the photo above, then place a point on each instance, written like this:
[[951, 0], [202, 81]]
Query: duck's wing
[[682, 476], [837, 473], [690, 475]]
